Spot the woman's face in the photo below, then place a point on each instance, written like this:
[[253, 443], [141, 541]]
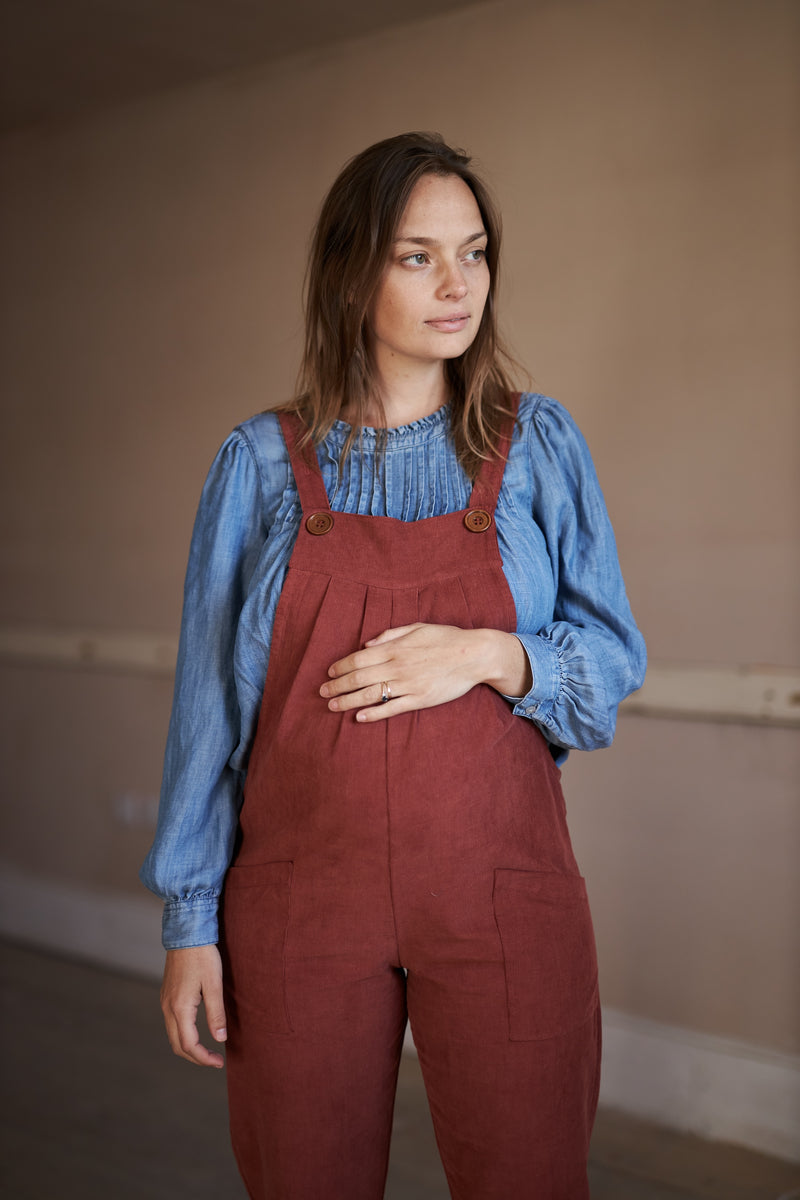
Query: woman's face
[[431, 297]]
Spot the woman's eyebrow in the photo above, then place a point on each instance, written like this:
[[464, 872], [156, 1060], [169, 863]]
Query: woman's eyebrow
[[426, 241]]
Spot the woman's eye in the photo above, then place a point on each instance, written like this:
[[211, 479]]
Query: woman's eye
[[416, 260], [476, 255]]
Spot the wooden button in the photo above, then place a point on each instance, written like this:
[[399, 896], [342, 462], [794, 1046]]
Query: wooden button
[[319, 523], [477, 519]]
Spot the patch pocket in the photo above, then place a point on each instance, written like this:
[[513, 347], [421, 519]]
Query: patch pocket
[[548, 952], [256, 902]]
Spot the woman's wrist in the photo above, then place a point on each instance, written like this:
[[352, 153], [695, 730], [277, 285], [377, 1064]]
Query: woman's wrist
[[505, 663]]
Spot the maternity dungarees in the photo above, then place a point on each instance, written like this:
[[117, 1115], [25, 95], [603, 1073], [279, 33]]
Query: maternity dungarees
[[415, 866]]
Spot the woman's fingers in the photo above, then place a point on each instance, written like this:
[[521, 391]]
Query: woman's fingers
[[391, 635], [341, 699], [193, 977], [420, 665], [365, 660]]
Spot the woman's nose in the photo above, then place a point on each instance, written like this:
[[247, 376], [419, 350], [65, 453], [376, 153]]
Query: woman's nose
[[454, 284]]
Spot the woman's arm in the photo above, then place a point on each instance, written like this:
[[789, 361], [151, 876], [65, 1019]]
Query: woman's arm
[[200, 794], [590, 655]]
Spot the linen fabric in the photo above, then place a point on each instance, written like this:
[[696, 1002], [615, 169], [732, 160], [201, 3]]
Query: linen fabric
[[416, 865]]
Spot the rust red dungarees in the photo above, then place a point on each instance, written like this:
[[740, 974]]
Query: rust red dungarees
[[434, 841]]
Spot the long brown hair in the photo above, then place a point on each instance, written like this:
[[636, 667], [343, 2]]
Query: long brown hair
[[350, 248]]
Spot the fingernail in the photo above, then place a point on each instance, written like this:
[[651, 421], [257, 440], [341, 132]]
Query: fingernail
[[221, 1035]]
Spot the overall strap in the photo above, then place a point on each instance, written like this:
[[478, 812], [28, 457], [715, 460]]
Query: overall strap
[[305, 466], [490, 475]]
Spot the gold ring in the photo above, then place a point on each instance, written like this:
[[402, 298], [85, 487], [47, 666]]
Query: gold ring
[[386, 693]]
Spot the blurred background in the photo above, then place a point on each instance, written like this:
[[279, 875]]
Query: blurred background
[[162, 165]]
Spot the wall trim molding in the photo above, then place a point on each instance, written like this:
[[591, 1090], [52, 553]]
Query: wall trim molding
[[714, 1087], [111, 928], [121, 650], [722, 1089], [745, 694]]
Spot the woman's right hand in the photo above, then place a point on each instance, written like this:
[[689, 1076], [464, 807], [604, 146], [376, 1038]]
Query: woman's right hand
[[191, 977]]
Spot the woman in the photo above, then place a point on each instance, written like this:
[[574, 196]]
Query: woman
[[416, 569]]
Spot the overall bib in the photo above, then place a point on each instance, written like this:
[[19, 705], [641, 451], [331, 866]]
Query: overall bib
[[418, 866]]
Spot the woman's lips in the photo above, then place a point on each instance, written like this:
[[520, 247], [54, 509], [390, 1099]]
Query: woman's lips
[[449, 324]]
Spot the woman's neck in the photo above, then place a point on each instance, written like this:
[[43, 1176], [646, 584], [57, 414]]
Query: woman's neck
[[408, 395]]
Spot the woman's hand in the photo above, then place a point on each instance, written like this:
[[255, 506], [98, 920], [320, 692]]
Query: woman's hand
[[192, 977], [425, 665]]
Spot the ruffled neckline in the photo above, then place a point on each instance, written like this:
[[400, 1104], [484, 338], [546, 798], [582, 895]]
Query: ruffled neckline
[[399, 436]]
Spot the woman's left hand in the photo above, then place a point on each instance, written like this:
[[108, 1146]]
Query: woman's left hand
[[425, 665]]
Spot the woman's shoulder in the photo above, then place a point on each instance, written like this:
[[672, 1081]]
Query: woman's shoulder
[[263, 429], [544, 419], [252, 460], [549, 446], [260, 436]]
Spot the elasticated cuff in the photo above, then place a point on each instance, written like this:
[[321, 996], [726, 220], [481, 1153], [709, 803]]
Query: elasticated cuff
[[546, 670], [190, 922]]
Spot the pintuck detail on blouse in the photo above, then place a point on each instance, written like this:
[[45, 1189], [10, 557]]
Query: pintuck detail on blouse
[[559, 557]]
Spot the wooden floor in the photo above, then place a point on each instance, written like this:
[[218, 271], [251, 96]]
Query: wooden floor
[[95, 1107]]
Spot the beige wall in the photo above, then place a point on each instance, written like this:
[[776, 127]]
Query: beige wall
[[644, 155]]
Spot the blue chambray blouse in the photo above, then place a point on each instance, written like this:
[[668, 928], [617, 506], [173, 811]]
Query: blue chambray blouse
[[559, 556]]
